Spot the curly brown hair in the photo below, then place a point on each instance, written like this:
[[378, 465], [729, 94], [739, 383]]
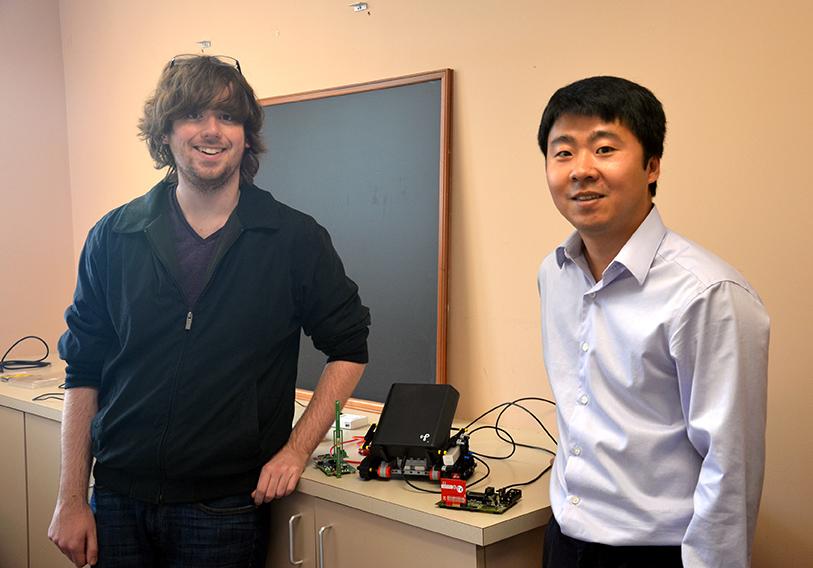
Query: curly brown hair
[[194, 84]]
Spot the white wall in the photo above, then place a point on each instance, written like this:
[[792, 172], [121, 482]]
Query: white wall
[[36, 238]]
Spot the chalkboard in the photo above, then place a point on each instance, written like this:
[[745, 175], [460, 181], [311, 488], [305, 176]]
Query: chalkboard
[[370, 163]]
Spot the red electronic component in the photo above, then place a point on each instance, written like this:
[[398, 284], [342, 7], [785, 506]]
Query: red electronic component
[[453, 491]]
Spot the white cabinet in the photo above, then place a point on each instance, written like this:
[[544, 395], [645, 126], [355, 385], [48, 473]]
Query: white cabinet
[[349, 537], [314, 533], [29, 470], [13, 517], [293, 536]]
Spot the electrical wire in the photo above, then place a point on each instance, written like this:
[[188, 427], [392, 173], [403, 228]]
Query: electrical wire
[[408, 482], [498, 429], [359, 440], [488, 471], [14, 364], [534, 480], [506, 405], [532, 415], [501, 432], [49, 396]]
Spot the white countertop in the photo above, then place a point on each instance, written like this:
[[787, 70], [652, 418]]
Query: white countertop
[[21, 398]]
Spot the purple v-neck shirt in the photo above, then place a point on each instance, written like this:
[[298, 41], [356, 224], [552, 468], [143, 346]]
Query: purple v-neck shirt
[[194, 253]]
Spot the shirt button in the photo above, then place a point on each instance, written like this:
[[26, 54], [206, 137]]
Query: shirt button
[[577, 451], [584, 399], [585, 346], [575, 500]]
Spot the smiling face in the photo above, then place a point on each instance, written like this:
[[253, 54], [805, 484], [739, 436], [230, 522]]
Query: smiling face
[[598, 179], [208, 147]]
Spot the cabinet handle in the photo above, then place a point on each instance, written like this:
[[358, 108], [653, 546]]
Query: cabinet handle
[[322, 545], [291, 540]]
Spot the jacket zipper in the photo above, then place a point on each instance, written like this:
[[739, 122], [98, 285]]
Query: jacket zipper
[[189, 314], [187, 327]]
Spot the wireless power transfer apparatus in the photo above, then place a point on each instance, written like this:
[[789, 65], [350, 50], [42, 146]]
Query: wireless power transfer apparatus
[[412, 438]]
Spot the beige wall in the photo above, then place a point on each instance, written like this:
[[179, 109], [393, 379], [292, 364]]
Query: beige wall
[[734, 78], [36, 240]]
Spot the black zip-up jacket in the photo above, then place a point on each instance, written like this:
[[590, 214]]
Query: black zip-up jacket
[[193, 400]]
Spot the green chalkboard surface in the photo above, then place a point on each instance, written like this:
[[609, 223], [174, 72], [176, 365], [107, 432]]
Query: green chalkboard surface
[[370, 163]]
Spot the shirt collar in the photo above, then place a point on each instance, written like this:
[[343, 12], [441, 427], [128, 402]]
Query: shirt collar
[[639, 252], [570, 249], [636, 255]]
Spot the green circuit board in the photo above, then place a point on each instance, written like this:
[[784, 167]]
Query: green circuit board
[[491, 501], [333, 463], [327, 463]]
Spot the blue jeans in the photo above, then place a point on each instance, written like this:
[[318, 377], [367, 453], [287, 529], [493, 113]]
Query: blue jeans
[[229, 532]]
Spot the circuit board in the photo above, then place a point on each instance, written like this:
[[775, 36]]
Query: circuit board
[[327, 463], [490, 501], [332, 464]]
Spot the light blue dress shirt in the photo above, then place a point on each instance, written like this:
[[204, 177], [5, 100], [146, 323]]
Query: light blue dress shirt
[[659, 372]]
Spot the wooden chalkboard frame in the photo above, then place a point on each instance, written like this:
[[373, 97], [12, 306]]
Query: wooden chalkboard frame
[[444, 76]]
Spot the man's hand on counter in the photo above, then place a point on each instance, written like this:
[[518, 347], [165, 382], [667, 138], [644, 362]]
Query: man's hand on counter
[[280, 475]]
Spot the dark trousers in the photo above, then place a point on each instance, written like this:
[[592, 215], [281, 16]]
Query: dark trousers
[[561, 551], [220, 533]]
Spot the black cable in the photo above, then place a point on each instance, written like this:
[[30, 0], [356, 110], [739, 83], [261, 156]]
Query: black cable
[[501, 431], [534, 480], [514, 446], [14, 364], [498, 429], [487, 412], [488, 472], [49, 396], [408, 482], [506, 405], [538, 421]]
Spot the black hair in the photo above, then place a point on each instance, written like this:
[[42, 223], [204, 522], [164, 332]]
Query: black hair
[[611, 99]]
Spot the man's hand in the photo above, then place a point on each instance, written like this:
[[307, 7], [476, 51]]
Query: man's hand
[[73, 530], [280, 475]]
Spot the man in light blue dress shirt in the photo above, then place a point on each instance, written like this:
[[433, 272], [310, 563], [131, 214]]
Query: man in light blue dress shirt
[[656, 351]]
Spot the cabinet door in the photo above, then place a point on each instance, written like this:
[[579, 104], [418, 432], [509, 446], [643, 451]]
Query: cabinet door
[[524, 549], [13, 521], [292, 540], [42, 454], [350, 537]]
